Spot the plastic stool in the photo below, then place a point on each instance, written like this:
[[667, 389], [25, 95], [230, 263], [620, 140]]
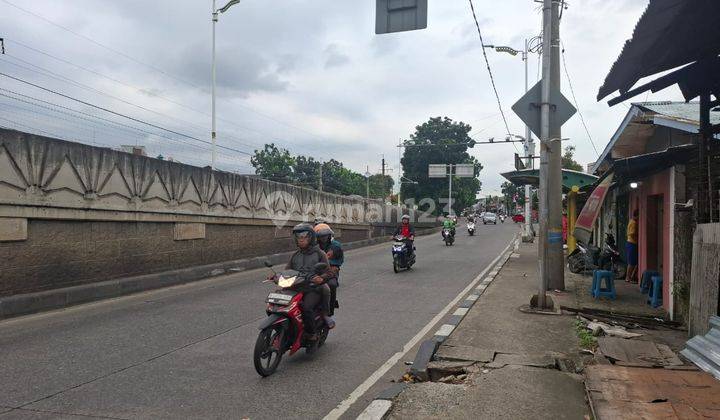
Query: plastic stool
[[655, 297], [646, 280], [595, 280], [609, 290]]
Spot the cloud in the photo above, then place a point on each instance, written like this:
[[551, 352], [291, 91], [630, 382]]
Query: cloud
[[334, 57]]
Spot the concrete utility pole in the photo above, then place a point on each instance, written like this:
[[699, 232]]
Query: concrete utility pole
[[450, 175], [320, 177], [367, 179], [550, 252], [529, 151]]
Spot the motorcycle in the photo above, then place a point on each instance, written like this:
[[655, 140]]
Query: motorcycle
[[283, 330], [448, 236], [403, 259], [585, 259], [471, 228], [502, 218]]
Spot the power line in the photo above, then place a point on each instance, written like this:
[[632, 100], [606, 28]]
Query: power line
[[577, 106], [119, 114], [487, 63]]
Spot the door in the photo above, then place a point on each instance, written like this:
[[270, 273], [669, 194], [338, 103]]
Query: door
[[654, 233], [622, 217]]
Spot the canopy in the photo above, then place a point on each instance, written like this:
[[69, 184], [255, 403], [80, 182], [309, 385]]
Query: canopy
[[532, 176]]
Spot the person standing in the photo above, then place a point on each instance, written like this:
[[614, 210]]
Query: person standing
[[631, 248]]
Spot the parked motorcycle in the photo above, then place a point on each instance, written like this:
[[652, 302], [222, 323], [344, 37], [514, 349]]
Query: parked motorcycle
[[283, 330], [584, 259], [403, 259], [471, 228], [448, 237]]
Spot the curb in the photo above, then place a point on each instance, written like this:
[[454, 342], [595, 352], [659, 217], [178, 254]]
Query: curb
[[379, 407], [29, 303]]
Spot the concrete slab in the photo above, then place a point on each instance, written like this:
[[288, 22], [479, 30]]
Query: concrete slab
[[475, 354], [513, 392], [534, 360]]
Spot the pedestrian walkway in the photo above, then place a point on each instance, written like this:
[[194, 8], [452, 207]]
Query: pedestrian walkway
[[500, 363]]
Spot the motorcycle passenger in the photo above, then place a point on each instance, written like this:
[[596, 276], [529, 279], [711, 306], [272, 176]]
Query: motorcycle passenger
[[304, 260], [471, 218], [408, 232], [333, 250]]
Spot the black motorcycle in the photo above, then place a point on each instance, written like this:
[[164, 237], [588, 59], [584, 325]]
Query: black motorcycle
[[448, 236], [403, 257], [585, 259]]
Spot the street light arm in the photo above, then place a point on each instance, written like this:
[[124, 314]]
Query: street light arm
[[229, 4]]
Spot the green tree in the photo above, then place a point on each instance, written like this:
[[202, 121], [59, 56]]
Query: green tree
[[510, 190], [380, 186], [444, 141], [306, 172], [273, 163], [568, 161]]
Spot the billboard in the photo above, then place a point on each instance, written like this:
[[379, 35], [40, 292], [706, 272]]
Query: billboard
[[437, 171]]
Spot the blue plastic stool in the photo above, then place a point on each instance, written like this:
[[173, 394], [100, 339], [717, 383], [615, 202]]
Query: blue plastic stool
[[655, 295], [598, 290], [646, 280]]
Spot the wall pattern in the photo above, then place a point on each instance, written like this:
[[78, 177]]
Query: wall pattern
[[46, 172]]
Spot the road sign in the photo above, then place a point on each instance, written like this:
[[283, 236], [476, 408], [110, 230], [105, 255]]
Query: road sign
[[400, 15], [528, 108], [437, 171], [465, 170]]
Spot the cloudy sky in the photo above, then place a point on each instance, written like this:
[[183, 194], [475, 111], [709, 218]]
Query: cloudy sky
[[309, 75]]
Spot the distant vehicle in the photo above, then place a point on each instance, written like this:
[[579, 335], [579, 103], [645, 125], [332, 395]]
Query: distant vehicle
[[489, 218], [518, 218]]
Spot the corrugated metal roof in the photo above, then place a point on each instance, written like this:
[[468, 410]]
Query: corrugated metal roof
[[688, 111], [704, 351]]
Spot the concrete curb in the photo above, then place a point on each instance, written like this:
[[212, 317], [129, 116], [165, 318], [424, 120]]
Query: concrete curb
[[29, 303], [381, 405]]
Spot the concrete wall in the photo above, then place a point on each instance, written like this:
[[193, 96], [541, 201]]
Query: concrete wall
[[74, 214]]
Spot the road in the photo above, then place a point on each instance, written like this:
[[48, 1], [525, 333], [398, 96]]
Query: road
[[186, 351]]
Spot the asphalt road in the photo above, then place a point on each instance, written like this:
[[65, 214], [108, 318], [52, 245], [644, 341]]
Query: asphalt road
[[186, 351]]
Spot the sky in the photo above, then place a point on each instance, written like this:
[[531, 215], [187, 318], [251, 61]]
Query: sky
[[309, 75]]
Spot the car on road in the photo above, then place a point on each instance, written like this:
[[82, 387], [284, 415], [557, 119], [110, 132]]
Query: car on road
[[489, 218], [518, 218]]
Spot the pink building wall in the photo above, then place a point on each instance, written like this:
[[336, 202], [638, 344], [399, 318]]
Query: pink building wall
[[658, 184]]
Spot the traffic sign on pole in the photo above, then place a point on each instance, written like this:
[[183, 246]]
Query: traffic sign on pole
[[437, 171], [465, 170], [400, 15], [528, 108]]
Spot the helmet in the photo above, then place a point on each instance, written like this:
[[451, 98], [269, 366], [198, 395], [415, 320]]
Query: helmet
[[322, 229], [318, 220], [405, 217], [304, 230]]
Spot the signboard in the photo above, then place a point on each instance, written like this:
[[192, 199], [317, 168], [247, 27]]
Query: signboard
[[586, 220], [400, 15], [528, 108], [465, 170], [437, 171]]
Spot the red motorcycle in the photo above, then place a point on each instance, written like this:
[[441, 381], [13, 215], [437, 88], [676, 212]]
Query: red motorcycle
[[283, 329]]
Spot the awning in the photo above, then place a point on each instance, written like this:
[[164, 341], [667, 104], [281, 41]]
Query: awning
[[670, 34], [569, 178], [642, 166]]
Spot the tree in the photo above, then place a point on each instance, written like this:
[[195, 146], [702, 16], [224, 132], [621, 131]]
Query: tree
[[445, 142], [273, 163], [380, 186], [306, 172], [567, 159], [510, 191]]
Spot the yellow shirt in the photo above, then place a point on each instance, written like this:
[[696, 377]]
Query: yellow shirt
[[632, 232]]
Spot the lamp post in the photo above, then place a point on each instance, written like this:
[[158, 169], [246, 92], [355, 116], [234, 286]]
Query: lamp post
[[215, 13], [529, 146]]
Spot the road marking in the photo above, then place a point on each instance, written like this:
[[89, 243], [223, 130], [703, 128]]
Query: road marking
[[472, 298], [445, 330], [482, 287], [376, 410], [461, 311], [385, 367]]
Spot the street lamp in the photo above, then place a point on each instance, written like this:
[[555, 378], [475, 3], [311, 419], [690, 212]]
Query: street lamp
[[215, 13], [528, 144]]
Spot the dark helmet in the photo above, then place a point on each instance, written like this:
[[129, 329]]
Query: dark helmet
[[304, 230]]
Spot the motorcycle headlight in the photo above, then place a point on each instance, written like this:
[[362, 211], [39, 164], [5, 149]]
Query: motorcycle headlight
[[285, 282]]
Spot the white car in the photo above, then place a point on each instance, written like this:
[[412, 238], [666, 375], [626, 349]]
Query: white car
[[488, 217]]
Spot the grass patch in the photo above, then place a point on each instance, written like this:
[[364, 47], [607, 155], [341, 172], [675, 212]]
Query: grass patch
[[587, 339]]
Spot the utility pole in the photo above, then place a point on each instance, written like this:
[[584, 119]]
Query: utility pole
[[529, 151], [320, 177], [383, 177], [550, 247], [450, 177], [367, 179]]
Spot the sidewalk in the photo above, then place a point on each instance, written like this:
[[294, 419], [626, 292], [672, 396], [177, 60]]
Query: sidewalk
[[500, 362]]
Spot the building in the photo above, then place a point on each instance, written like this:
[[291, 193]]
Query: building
[[651, 158]]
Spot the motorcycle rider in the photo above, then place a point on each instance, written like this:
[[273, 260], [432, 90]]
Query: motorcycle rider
[[304, 260], [408, 232], [333, 250], [449, 223]]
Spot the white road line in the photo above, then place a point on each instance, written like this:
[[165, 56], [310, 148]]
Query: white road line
[[376, 410], [472, 298], [382, 370]]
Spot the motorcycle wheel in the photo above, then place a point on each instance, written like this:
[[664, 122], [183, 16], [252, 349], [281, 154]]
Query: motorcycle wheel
[[324, 332], [576, 265], [268, 345], [396, 264]]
